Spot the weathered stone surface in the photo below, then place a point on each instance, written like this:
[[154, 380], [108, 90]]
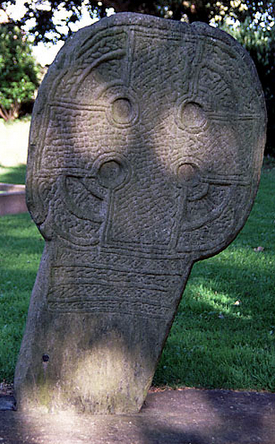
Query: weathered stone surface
[[145, 153]]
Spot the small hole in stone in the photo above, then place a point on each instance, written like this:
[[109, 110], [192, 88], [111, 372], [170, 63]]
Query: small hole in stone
[[45, 358]]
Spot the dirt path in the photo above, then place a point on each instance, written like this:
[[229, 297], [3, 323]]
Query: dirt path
[[188, 416]]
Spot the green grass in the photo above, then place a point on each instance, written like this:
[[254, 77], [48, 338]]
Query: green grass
[[13, 174], [21, 247], [20, 251], [214, 343]]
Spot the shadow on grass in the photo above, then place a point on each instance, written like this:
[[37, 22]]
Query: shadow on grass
[[15, 174]]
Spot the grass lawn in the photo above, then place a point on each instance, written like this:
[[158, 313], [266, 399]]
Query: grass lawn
[[224, 332], [13, 174]]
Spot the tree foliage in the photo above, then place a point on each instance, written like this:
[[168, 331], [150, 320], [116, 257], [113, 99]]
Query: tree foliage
[[259, 40], [46, 28], [18, 71]]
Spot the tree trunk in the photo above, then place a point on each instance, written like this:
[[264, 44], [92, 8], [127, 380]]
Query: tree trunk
[[10, 114]]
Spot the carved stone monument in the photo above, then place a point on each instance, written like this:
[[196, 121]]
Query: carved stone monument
[[145, 153]]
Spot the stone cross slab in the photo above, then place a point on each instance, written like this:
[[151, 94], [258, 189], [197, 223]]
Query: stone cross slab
[[145, 153]]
